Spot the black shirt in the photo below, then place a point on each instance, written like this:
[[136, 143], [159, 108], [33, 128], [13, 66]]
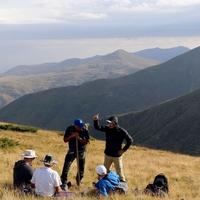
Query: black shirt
[[114, 139], [83, 134], [22, 173]]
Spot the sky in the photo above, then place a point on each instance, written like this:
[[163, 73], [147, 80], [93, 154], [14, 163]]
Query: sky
[[34, 31]]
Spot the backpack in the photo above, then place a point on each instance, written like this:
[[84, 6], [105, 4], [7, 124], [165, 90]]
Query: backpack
[[159, 187]]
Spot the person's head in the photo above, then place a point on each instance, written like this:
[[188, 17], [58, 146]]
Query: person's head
[[101, 171], [48, 160], [78, 123], [29, 155], [112, 122]]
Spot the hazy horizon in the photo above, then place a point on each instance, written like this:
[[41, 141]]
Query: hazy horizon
[[38, 31]]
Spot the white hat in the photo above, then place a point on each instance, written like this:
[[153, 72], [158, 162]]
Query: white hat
[[29, 154], [101, 170]]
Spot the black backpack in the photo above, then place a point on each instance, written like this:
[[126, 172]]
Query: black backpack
[[159, 187]]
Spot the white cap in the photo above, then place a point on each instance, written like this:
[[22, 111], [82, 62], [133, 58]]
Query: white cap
[[101, 170], [29, 154]]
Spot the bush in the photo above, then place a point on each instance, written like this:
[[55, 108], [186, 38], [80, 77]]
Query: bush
[[19, 128], [7, 143]]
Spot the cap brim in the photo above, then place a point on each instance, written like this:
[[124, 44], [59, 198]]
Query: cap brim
[[108, 121]]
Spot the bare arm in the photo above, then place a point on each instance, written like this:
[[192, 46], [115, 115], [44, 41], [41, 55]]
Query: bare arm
[[58, 189], [33, 185]]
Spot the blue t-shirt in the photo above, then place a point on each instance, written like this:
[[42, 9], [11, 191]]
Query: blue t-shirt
[[108, 183]]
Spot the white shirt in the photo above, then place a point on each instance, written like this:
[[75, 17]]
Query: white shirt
[[45, 180]]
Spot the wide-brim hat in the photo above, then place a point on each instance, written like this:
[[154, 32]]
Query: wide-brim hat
[[49, 160], [29, 153]]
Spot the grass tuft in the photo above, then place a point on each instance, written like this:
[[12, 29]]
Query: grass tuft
[[18, 128], [6, 143]]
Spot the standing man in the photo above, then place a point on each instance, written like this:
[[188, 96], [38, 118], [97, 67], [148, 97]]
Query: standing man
[[23, 171], [77, 137], [115, 136]]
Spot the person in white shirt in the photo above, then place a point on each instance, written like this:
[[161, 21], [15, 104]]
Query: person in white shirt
[[45, 180]]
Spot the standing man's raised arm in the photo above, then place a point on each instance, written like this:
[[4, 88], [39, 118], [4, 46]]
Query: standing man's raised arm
[[97, 125]]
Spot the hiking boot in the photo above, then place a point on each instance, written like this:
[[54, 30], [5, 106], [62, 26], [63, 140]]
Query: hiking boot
[[69, 184], [78, 182], [64, 187]]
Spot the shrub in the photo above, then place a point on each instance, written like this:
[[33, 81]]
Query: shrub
[[7, 143], [19, 128]]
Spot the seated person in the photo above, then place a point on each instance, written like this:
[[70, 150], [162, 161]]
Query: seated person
[[45, 180], [108, 182], [23, 171]]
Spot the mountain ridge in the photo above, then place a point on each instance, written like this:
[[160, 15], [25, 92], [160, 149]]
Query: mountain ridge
[[172, 125], [73, 62], [134, 92], [23, 80], [162, 55]]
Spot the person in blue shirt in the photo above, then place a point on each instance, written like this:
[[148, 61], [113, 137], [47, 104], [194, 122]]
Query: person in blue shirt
[[107, 181]]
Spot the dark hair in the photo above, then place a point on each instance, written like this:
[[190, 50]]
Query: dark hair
[[113, 119]]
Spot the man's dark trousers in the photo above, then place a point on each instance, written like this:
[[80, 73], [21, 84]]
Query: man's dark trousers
[[69, 158]]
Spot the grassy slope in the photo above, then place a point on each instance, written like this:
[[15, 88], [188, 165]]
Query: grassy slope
[[140, 164]]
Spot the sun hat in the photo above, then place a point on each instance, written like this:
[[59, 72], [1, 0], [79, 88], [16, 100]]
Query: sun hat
[[29, 153], [101, 170], [49, 160]]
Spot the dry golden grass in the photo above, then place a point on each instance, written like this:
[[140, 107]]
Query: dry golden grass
[[140, 164]]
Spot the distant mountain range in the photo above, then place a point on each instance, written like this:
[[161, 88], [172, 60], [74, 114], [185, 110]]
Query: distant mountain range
[[57, 107], [22, 80], [162, 55], [173, 125], [119, 63]]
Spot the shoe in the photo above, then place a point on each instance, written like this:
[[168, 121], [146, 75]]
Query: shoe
[[69, 184], [78, 182], [123, 181], [64, 187]]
